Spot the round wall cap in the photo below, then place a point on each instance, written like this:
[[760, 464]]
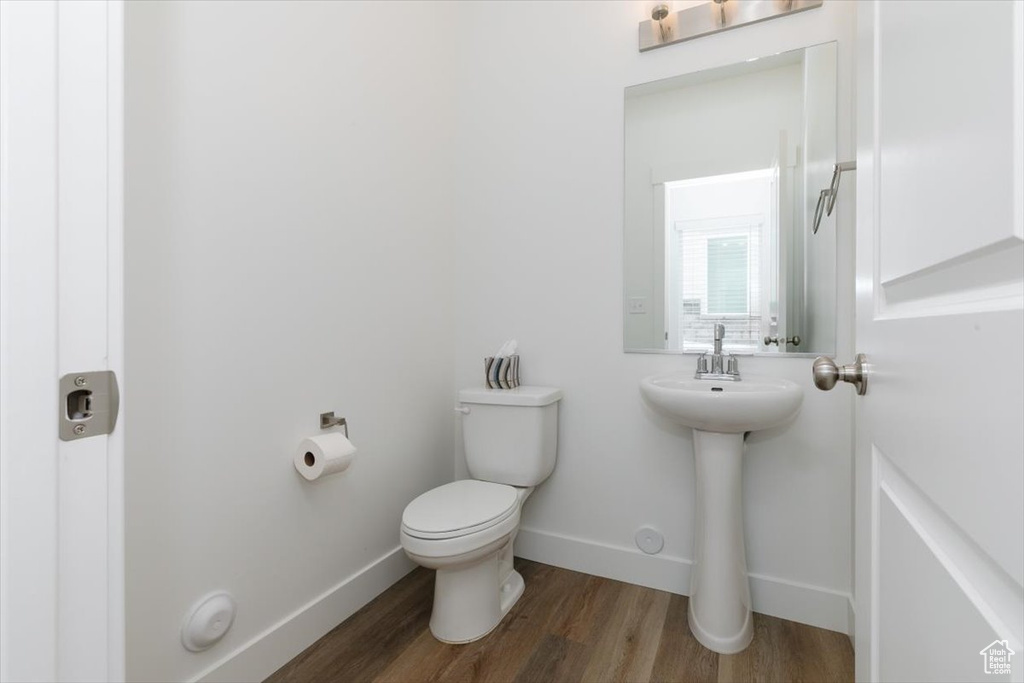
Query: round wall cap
[[649, 540], [208, 621]]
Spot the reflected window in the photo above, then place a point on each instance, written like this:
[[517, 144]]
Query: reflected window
[[718, 233]]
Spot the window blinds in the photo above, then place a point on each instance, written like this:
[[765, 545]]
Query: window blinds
[[716, 278]]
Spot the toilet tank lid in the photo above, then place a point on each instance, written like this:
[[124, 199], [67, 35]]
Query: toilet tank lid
[[520, 396]]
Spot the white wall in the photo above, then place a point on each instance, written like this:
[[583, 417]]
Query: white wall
[[539, 172], [308, 202], [289, 251]]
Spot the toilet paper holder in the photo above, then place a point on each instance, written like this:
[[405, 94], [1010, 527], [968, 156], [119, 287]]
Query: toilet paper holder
[[327, 420]]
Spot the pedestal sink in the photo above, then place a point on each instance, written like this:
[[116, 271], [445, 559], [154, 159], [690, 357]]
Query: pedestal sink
[[720, 413]]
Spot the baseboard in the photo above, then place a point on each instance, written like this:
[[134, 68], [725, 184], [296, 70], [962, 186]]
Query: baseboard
[[813, 605], [271, 649], [804, 603], [663, 572]]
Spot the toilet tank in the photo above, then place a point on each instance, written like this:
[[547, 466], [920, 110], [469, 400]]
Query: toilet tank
[[511, 435]]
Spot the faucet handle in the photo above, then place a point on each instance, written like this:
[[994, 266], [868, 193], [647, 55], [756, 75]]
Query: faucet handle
[[734, 365], [702, 364]]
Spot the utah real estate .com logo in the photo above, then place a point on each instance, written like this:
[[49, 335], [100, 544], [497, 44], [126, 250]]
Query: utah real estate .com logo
[[997, 657]]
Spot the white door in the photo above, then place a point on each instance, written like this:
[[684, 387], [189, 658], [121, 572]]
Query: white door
[[940, 444], [61, 502]]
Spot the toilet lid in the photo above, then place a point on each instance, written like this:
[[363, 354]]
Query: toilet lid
[[459, 508]]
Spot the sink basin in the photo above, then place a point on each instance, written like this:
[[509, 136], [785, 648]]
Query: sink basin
[[720, 412], [728, 407]]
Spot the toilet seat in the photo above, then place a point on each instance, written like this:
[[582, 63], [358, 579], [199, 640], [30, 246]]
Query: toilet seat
[[460, 520], [459, 509]]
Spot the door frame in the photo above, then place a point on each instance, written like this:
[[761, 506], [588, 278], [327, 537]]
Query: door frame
[[61, 310]]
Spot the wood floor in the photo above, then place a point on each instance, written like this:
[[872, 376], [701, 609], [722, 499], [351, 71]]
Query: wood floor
[[567, 627]]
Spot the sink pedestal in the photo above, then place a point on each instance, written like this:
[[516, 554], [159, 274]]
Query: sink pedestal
[[719, 414], [719, 614]]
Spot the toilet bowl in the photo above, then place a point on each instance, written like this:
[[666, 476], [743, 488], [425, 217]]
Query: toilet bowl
[[465, 531]]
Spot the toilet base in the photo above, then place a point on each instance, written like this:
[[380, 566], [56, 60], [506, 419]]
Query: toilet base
[[511, 591], [467, 603], [475, 582]]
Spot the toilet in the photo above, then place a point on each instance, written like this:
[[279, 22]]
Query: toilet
[[465, 530]]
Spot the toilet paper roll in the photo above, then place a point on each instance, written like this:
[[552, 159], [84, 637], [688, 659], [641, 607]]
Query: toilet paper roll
[[323, 454]]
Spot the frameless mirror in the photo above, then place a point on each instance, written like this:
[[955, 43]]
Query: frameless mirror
[[723, 170]]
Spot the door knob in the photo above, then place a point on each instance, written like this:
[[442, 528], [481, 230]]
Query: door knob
[[827, 373]]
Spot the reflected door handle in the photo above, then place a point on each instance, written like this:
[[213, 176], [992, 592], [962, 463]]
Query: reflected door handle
[[827, 373], [794, 340]]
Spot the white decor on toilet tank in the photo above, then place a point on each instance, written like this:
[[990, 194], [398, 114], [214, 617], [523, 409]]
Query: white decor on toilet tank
[[465, 530]]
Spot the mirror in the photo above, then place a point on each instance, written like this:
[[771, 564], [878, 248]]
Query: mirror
[[723, 170]]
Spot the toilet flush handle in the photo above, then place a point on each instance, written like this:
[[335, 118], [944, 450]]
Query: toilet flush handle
[[462, 409]]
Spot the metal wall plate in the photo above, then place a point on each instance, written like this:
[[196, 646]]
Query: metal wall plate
[[715, 17], [88, 404]]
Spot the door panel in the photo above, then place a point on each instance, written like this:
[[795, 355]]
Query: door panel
[[955, 417], [945, 118], [932, 597], [940, 314], [945, 180]]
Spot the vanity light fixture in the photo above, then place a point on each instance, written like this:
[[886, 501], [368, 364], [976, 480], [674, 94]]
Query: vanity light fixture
[[658, 14], [668, 28], [721, 11]]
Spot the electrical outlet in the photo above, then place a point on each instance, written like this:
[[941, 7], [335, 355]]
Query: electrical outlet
[[637, 305]]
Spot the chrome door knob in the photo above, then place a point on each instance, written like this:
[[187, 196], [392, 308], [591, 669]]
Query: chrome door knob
[[827, 373]]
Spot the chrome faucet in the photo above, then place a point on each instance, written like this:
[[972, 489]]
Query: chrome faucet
[[731, 370], [716, 357]]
